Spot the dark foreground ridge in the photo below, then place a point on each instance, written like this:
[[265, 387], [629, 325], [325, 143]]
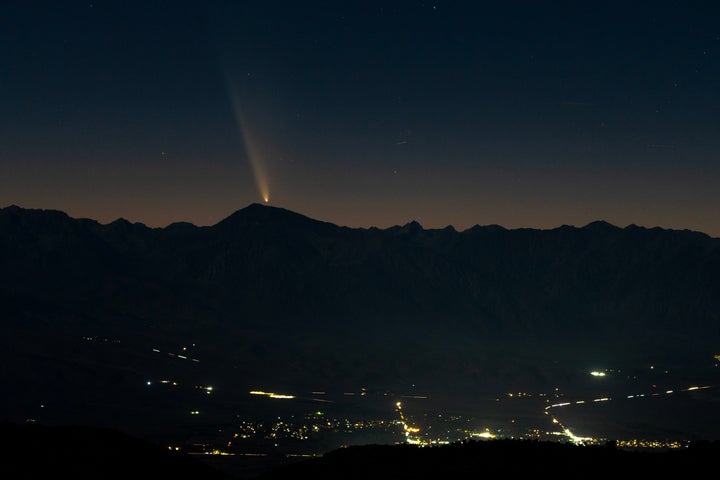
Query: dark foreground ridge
[[40, 452], [482, 459], [32, 451]]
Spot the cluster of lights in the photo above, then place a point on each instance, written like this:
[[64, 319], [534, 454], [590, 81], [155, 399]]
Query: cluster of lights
[[101, 339], [649, 444], [177, 355], [519, 394]]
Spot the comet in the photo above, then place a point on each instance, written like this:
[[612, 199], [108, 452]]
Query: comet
[[252, 148]]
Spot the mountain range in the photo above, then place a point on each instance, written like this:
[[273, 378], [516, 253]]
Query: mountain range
[[269, 297]]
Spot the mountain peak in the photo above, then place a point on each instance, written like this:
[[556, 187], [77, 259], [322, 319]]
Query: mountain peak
[[258, 211], [257, 205], [121, 222], [413, 226], [409, 228], [600, 225], [257, 214]]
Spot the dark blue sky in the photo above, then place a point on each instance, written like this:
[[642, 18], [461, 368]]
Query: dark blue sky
[[523, 114]]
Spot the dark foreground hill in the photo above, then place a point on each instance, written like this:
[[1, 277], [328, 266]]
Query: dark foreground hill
[[82, 453], [499, 458], [36, 452]]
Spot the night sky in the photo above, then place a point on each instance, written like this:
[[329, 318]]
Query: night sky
[[522, 114]]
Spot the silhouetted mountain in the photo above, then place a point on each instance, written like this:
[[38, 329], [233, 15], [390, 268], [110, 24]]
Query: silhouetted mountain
[[82, 453], [271, 297], [479, 459]]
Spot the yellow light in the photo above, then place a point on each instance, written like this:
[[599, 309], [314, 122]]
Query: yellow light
[[270, 394]]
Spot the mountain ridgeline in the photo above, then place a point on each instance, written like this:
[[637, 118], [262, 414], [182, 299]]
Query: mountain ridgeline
[[267, 286]]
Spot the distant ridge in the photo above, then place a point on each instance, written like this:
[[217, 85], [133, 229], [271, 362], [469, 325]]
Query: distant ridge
[[407, 269], [257, 211]]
